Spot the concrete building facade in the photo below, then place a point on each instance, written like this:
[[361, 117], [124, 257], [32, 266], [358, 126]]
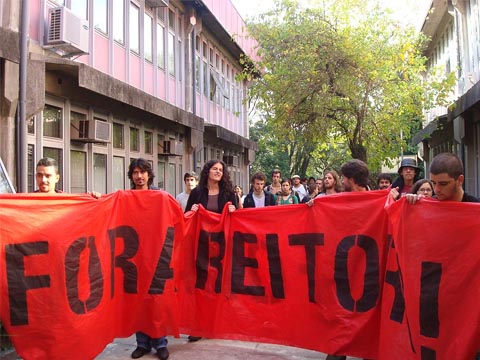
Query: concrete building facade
[[454, 29], [108, 81]]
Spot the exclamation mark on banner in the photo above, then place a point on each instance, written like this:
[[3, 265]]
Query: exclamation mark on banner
[[429, 322]]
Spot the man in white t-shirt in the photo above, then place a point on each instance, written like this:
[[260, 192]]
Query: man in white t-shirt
[[190, 179], [298, 187]]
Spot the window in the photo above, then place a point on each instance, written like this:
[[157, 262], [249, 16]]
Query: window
[[205, 78], [134, 139], [134, 28], [80, 8], [171, 42], [118, 141], [148, 142], [160, 46], [119, 24], [118, 173], [6, 185], [52, 121], [147, 37], [31, 165], [198, 65], [31, 125], [78, 172], [56, 154], [171, 178], [171, 54], [100, 173], [161, 175], [100, 15]]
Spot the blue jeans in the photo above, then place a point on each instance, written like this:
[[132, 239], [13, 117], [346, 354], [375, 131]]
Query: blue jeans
[[147, 342]]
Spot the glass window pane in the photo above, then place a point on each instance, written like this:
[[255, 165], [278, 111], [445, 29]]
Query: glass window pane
[[118, 141], [100, 15], [118, 173], [171, 53], [80, 8], [119, 23], [171, 179], [160, 176], [52, 121], [148, 142], [31, 168], [160, 46], [100, 173], [134, 28], [171, 20], [31, 125], [56, 154], [6, 185], [78, 172], [147, 36], [134, 139]]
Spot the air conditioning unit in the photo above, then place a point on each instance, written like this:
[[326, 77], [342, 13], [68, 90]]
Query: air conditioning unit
[[156, 3], [230, 160], [171, 147], [91, 131], [66, 31]]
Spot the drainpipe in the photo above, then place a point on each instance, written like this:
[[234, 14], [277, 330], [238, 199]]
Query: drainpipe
[[194, 94], [22, 148]]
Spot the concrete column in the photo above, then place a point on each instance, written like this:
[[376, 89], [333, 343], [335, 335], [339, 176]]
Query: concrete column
[[8, 105]]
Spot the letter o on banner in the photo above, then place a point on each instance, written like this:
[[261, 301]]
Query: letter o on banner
[[371, 284]]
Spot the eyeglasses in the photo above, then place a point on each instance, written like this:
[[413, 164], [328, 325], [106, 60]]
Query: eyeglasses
[[425, 190]]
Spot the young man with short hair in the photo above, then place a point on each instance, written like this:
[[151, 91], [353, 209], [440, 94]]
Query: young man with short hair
[[190, 179], [47, 176], [447, 177], [258, 197]]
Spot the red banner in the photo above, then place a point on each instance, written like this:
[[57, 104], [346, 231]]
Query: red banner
[[77, 272]]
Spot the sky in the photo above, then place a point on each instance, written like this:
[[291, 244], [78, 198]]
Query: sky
[[413, 11]]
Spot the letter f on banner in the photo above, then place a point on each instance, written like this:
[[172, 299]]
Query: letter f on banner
[[18, 283]]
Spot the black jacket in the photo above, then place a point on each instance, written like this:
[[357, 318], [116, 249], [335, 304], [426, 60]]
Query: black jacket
[[248, 202], [200, 196]]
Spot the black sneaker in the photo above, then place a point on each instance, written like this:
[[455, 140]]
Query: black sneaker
[[192, 338], [163, 353], [139, 352]]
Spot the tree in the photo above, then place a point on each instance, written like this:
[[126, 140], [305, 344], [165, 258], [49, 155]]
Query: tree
[[341, 72]]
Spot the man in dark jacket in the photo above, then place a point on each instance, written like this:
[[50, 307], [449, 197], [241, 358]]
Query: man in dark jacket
[[257, 197]]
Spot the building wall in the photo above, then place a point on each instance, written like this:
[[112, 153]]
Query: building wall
[[454, 28], [149, 93]]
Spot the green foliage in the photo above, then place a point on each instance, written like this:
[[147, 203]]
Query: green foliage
[[339, 80]]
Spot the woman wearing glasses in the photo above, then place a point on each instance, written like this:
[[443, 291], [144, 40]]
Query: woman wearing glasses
[[423, 187]]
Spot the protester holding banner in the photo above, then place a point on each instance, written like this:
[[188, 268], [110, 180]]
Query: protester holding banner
[[214, 190], [354, 178], [447, 177], [47, 178], [409, 174], [141, 175]]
